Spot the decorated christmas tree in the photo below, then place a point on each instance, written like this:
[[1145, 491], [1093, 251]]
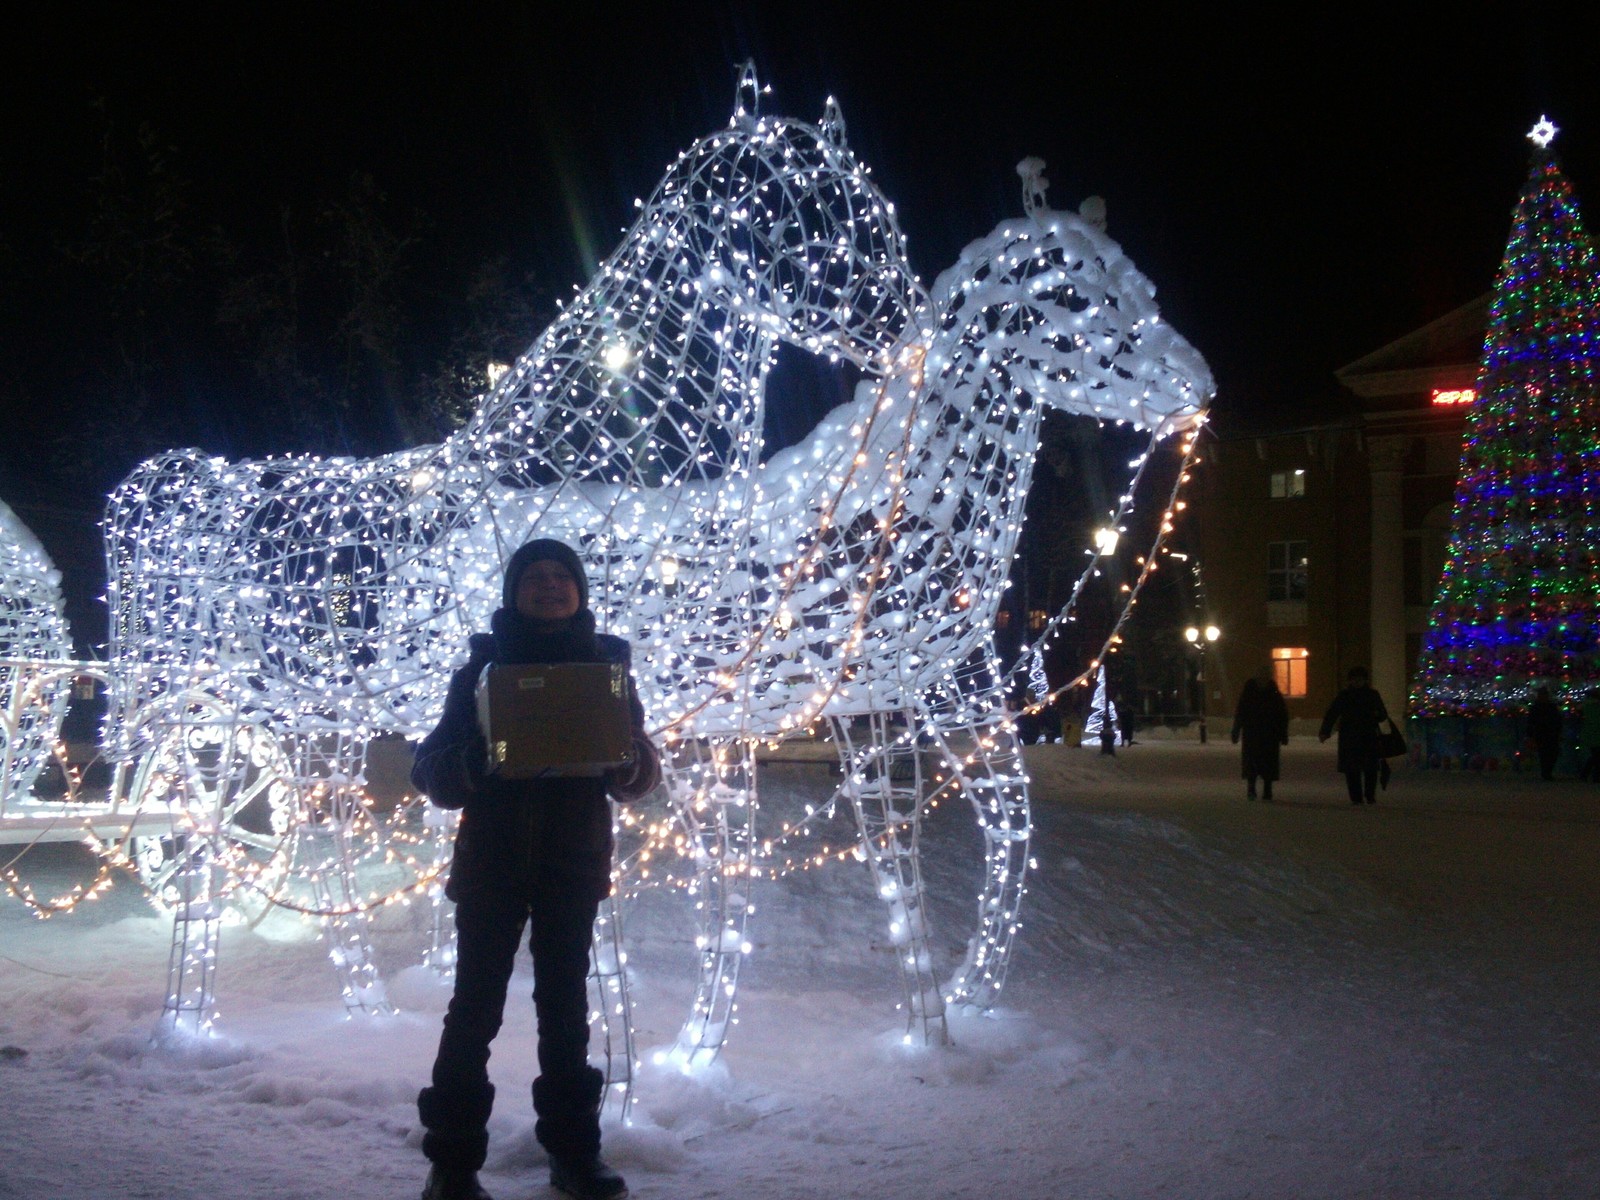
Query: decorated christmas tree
[[1518, 605]]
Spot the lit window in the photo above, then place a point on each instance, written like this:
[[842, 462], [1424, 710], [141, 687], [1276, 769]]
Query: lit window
[[1038, 618], [1289, 669], [1286, 484], [1286, 570]]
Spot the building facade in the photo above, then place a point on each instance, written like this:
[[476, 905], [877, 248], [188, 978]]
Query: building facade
[[1322, 544]]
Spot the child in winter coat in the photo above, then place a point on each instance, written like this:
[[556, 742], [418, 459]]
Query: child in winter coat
[[529, 853]]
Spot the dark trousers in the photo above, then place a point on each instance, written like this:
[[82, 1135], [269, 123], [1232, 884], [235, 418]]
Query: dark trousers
[[1548, 753], [455, 1109], [1591, 766], [1363, 783]]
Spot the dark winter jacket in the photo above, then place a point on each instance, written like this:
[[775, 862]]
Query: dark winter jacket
[[1262, 721], [1545, 722], [1589, 725], [1359, 713], [525, 835]]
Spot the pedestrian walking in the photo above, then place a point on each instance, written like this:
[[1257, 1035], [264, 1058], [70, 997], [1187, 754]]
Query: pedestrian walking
[[1260, 728], [1589, 738], [1359, 714], [1544, 727]]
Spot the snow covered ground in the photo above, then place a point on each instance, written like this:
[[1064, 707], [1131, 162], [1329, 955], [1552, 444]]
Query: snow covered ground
[[1210, 999]]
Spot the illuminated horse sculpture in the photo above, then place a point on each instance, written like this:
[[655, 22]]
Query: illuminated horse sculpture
[[274, 615], [270, 617], [33, 630], [878, 553], [898, 519]]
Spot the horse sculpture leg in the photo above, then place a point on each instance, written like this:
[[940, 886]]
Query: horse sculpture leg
[[190, 1004], [714, 791], [189, 773], [984, 759], [611, 1008], [334, 819], [883, 778], [247, 819], [439, 825]]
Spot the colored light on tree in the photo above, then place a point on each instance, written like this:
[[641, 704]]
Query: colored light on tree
[[1518, 604]]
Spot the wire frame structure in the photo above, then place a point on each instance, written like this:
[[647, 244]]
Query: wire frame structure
[[33, 630], [269, 618], [891, 532], [318, 602]]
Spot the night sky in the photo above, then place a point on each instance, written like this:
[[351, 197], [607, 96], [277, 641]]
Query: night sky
[[1300, 198]]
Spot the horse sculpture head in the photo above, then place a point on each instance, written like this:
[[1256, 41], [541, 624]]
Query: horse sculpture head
[[767, 231], [1052, 304], [784, 214]]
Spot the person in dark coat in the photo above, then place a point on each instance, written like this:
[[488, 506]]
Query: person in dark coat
[[529, 853], [1262, 720], [1544, 727], [1589, 738], [1359, 713]]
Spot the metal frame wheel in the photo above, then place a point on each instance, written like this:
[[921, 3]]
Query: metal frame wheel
[[229, 789]]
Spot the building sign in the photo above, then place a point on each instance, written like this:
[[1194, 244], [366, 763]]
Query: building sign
[[1447, 397]]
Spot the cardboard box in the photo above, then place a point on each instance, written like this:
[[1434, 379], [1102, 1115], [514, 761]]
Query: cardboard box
[[555, 719]]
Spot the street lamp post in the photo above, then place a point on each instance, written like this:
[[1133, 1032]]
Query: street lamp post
[[1200, 638]]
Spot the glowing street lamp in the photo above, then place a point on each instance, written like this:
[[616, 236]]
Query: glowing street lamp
[[1201, 637]]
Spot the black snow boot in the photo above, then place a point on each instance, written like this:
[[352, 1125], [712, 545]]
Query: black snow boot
[[586, 1179], [455, 1139], [446, 1183], [569, 1129], [568, 1110]]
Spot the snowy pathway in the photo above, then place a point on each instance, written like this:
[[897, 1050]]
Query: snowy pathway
[[1211, 999]]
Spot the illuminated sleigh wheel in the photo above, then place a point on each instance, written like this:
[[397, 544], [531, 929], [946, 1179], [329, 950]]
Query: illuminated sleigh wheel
[[228, 789], [36, 695]]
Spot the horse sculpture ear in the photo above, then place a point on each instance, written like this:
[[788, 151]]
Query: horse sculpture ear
[[747, 99], [832, 123]]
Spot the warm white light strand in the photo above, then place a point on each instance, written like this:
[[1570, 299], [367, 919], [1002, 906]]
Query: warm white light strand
[[270, 618]]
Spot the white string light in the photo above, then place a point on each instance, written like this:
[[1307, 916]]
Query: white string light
[[270, 618]]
